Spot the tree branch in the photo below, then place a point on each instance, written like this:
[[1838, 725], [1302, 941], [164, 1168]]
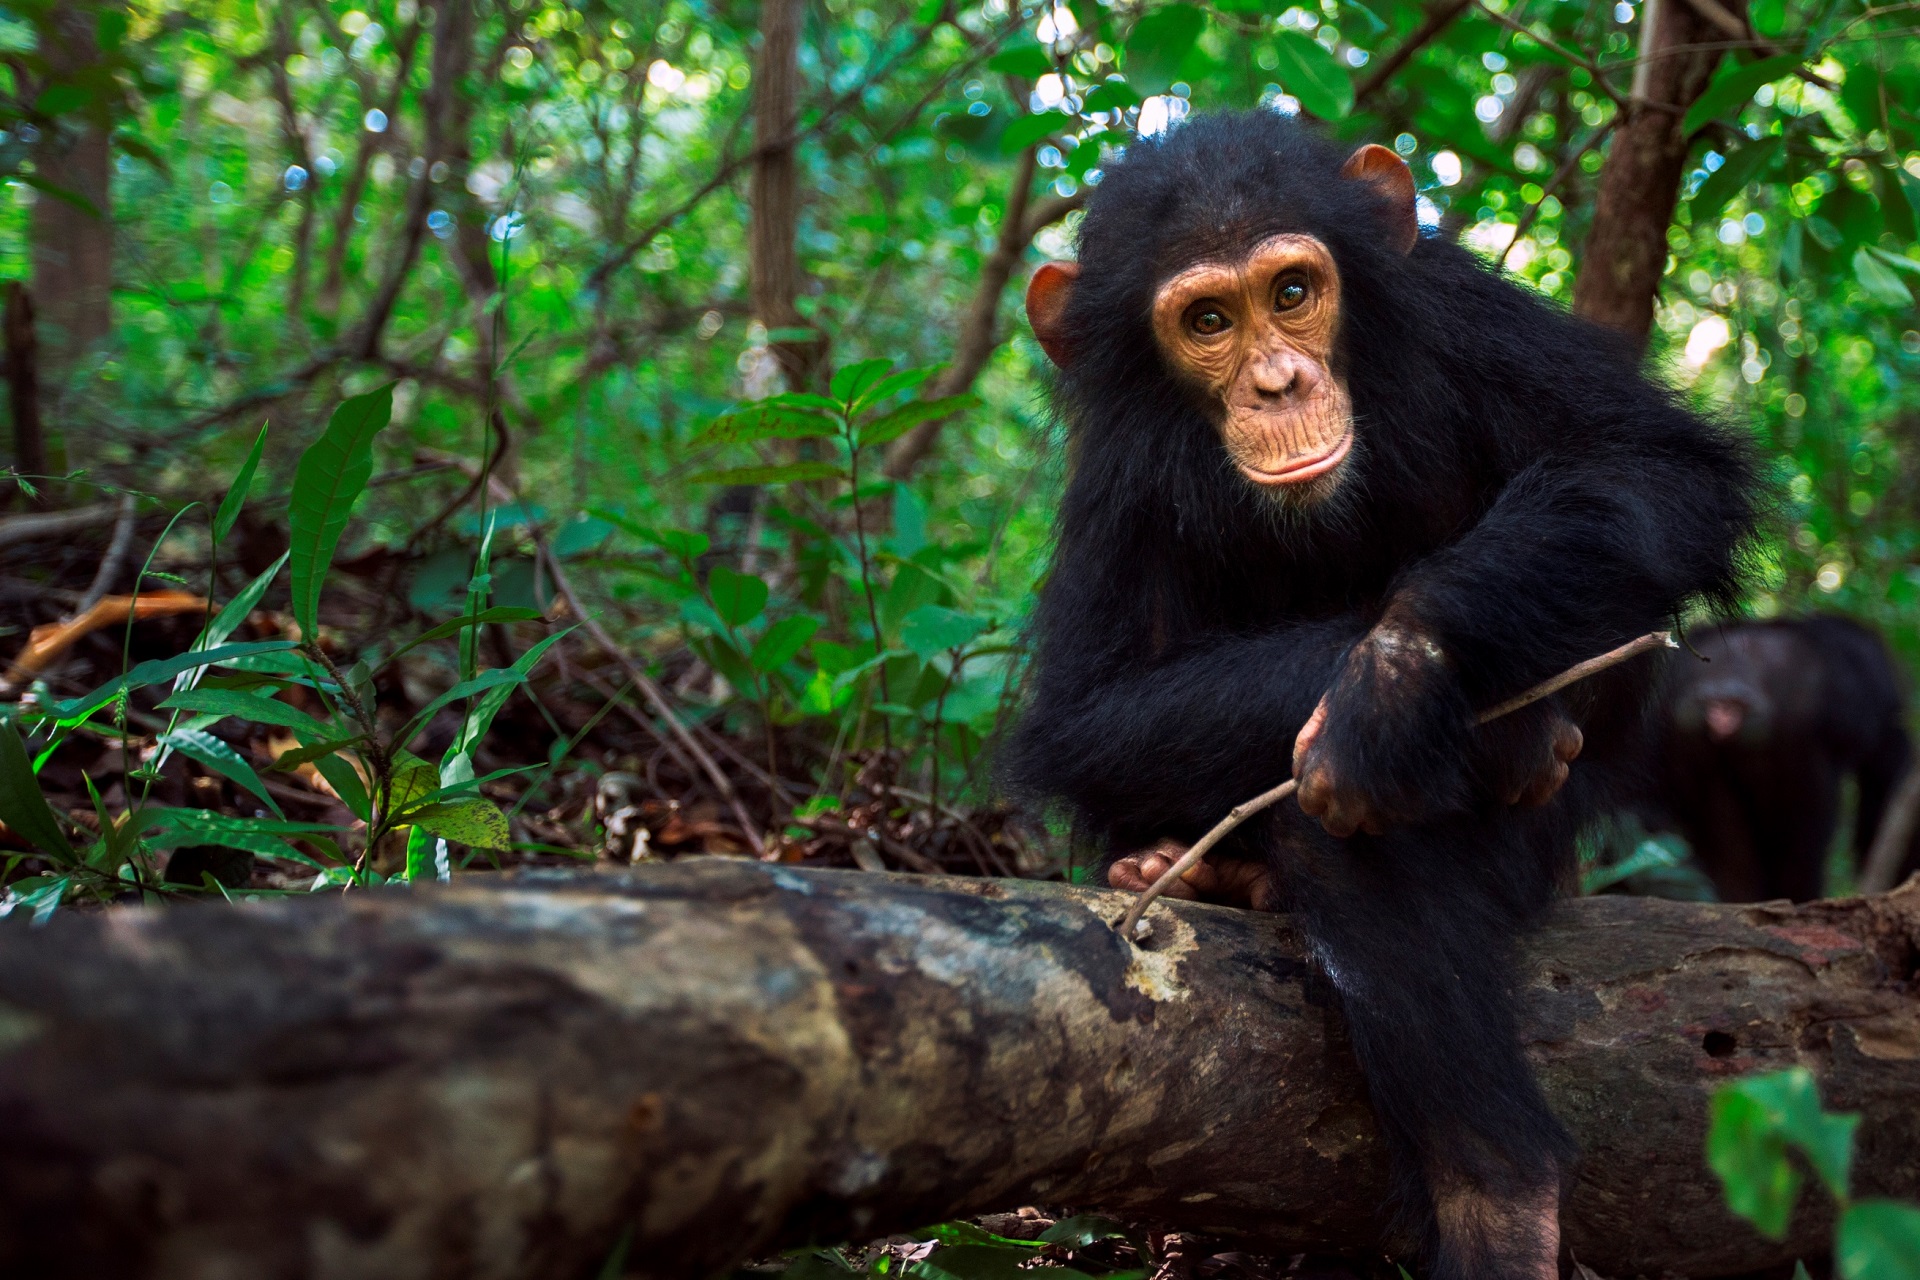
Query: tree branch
[[715, 1059]]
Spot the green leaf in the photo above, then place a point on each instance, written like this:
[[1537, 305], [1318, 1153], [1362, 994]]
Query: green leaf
[[787, 473], [897, 422], [1745, 1149], [737, 597], [312, 752], [932, 629], [23, 807], [852, 381], [1878, 1240], [492, 679], [985, 1262], [1896, 260], [345, 781], [1769, 17], [1027, 130], [764, 421], [1312, 74], [582, 533], [1911, 186], [480, 716], [1879, 281], [158, 669], [1792, 1103], [197, 744], [1739, 170], [1026, 57], [237, 491], [1159, 42], [476, 822], [110, 29], [1734, 87], [783, 640], [1111, 95], [59, 99], [1824, 232], [892, 385], [246, 706], [328, 481], [466, 621], [1084, 1229], [421, 848], [415, 782]]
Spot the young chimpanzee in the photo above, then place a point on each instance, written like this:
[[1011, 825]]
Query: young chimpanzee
[[1757, 739], [1333, 487]]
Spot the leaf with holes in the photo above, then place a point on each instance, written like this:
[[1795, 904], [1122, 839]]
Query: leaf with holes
[[476, 822]]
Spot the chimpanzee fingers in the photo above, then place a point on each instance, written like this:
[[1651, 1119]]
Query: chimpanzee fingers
[[1309, 733], [1568, 741], [1546, 785], [1137, 872]]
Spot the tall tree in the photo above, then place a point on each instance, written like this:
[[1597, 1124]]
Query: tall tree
[[1626, 251], [774, 190]]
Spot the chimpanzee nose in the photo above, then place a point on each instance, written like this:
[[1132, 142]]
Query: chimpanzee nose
[[1279, 375]]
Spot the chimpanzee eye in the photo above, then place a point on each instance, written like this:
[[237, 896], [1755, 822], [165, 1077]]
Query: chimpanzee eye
[[1289, 293], [1209, 321]]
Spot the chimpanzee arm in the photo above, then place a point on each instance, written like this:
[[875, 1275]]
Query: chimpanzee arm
[[1581, 551], [1167, 747]]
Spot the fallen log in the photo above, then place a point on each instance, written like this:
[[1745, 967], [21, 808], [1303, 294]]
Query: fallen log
[[721, 1058]]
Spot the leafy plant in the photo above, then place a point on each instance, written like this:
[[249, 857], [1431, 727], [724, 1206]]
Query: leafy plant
[[1759, 1126]]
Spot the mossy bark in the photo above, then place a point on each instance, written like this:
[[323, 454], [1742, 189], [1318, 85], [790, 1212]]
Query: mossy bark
[[720, 1058]]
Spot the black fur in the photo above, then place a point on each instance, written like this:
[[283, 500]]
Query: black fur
[[1515, 483], [1821, 700]]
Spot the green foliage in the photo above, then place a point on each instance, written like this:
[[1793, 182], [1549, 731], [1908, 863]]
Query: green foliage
[[1759, 1126], [331, 476]]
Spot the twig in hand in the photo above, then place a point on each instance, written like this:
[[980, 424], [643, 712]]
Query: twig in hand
[[1127, 926]]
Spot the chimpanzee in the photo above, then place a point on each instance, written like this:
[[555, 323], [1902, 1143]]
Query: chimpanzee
[[1756, 741], [1332, 487]]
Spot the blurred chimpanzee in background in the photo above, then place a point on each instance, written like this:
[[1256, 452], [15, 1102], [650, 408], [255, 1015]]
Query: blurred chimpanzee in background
[[1757, 741]]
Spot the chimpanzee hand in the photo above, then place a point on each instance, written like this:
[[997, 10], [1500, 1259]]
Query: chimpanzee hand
[[1393, 742], [1234, 882]]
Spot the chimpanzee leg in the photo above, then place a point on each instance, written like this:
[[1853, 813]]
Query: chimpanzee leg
[[1416, 930]]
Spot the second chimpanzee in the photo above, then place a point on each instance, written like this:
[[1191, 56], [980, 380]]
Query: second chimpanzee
[[1333, 486], [1756, 743]]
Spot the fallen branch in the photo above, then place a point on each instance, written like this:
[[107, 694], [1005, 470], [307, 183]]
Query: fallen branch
[[716, 1058], [36, 526], [1128, 925], [1895, 836]]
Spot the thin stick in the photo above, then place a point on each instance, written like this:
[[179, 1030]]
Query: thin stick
[[1128, 925], [1890, 842]]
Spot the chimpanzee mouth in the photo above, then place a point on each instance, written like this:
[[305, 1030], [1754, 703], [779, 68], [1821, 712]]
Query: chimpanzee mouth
[[1298, 469]]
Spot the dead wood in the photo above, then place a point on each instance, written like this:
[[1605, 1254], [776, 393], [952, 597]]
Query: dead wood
[[496, 1078]]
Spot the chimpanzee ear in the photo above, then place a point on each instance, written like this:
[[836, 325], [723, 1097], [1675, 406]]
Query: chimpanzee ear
[[1388, 175], [1047, 295]]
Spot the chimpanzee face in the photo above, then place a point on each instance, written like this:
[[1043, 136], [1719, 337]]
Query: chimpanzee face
[[1254, 334]]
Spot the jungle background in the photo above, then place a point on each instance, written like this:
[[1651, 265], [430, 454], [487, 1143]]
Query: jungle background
[[677, 359], [449, 434]]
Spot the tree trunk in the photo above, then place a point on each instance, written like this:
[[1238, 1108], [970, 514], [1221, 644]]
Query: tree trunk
[[722, 1058], [23, 380], [1626, 250], [774, 191]]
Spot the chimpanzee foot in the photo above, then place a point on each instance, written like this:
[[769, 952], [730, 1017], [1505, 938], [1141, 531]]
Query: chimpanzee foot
[[1485, 1237], [1234, 882]]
